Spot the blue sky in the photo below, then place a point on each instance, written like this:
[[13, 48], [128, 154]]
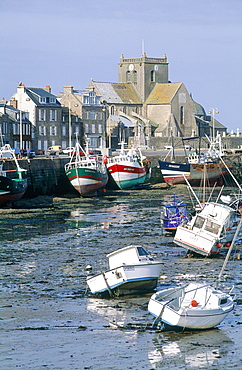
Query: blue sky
[[58, 43]]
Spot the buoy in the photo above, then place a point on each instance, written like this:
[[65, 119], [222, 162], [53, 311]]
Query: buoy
[[194, 303], [219, 245], [227, 245]]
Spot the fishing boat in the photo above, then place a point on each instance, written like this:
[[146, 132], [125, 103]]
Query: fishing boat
[[173, 214], [209, 230], [195, 305], [128, 169], [86, 172], [131, 270], [12, 183], [174, 172]]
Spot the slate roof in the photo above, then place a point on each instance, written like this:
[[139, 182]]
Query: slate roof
[[35, 93], [163, 93], [117, 93]]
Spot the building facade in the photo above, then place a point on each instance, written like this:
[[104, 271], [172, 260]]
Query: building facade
[[50, 123], [88, 107]]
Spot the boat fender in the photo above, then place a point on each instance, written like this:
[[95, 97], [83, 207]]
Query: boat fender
[[105, 159], [219, 245], [194, 303]]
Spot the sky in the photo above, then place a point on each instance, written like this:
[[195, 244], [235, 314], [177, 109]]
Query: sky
[[62, 43]]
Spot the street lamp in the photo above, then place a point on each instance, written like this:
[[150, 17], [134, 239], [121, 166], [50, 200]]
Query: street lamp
[[213, 111]]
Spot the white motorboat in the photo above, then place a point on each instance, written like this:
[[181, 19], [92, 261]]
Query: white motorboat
[[131, 270], [209, 230], [195, 305]]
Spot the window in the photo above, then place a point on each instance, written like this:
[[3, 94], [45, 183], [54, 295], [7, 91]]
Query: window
[[92, 114], [42, 99], [135, 76], [100, 129], [77, 129], [152, 76], [53, 115], [99, 116], [112, 110], [53, 131], [181, 115], [93, 128], [42, 115], [86, 129], [39, 145], [124, 109], [92, 97], [85, 115], [63, 144], [128, 76], [42, 130], [63, 130], [52, 100]]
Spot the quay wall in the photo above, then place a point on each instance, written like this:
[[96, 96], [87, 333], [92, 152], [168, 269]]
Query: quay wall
[[46, 176]]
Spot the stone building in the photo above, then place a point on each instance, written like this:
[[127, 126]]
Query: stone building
[[145, 104], [88, 107], [50, 124], [15, 127]]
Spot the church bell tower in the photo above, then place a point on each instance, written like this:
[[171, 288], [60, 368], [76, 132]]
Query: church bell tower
[[143, 73]]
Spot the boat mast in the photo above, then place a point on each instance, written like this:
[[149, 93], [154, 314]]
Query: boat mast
[[230, 248]]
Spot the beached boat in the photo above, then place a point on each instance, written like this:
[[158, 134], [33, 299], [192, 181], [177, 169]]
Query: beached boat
[[131, 270], [175, 172], [194, 305], [128, 169], [86, 172], [12, 184], [174, 213], [209, 230]]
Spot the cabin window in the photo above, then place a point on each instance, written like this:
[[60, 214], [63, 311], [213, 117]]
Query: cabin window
[[212, 227], [142, 251], [199, 222]]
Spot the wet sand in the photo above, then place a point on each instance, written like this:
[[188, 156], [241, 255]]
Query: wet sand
[[49, 320]]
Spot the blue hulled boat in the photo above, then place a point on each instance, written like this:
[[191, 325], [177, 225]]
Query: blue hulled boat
[[174, 213]]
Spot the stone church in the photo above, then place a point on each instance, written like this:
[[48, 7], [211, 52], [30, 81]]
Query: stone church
[[144, 104]]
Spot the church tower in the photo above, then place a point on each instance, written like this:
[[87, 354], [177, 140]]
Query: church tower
[[143, 73]]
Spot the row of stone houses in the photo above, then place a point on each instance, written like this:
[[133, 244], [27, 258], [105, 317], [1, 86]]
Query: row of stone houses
[[142, 105]]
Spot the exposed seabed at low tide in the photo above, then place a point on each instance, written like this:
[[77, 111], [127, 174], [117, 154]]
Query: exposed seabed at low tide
[[48, 318]]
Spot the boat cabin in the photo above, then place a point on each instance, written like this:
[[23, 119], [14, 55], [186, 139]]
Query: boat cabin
[[213, 217], [131, 255]]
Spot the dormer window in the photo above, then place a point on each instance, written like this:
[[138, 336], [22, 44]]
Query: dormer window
[[42, 99]]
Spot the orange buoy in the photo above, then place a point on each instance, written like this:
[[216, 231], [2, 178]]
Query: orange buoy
[[194, 303]]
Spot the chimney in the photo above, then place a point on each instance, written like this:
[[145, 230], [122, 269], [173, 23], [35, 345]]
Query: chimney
[[47, 88]]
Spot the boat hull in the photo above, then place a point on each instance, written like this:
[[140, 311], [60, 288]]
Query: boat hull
[[87, 181], [128, 279], [11, 190], [202, 308], [173, 173], [127, 175]]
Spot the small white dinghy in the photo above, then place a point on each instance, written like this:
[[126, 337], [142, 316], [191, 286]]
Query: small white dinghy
[[193, 306], [132, 270]]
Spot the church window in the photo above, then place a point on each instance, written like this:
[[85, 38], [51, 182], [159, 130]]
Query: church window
[[135, 76], [181, 115], [112, 110], [128, 76], [152, 76]]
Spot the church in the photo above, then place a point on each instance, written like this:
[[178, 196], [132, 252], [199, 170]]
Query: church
[[144, 104]]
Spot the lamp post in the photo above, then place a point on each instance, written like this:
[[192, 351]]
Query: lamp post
[[104, 104], [20, 129], [213, 111]]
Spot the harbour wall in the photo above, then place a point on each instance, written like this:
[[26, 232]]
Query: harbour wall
[[46, 176]]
